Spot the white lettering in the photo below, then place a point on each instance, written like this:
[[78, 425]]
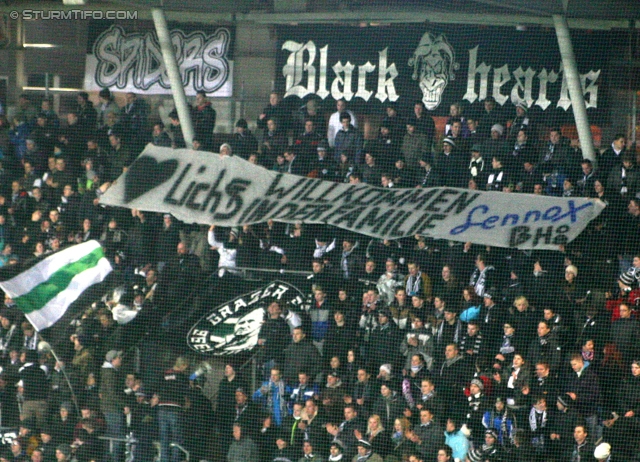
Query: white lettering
[[386, 88], [500, 77], [362, 91]]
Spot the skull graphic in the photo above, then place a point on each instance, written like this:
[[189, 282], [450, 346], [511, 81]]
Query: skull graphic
[[433, 64], [250, 323]]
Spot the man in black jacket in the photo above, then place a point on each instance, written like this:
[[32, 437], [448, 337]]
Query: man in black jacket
[[204, 120], [300, 355], [429, 436], [33, 381], [274, 337], [171, 401], [345, 431], [581, 385]]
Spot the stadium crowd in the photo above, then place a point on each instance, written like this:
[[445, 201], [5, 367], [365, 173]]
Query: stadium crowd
[[408, 350]]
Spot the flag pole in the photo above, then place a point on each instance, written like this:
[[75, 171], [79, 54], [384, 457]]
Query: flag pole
[[46, 347]]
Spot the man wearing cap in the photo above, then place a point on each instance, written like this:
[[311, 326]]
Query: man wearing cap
[[244, 143], [335, 452], [365, 453], [244, 413], [491, 450], [476, 407], [522, 121], [477, 164], [322, 164], [113, 399], [427, 176], [450, 165], [491, 319], [561, 426], [332, 395], [63, 453]]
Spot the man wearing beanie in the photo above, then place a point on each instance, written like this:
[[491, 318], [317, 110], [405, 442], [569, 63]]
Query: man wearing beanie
[[561, 426], [475, 410], [365, 453], [602, 453], [63, 453]]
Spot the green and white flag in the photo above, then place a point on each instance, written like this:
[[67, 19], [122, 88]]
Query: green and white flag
[[44, 291]]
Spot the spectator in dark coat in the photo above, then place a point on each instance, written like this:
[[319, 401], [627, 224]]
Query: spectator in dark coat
[[384, 343], [450, 165], [33, 380], [274, 336], [204, 120], [244, 143], [300, 355], [581, 385], [112, 398], [429, 436], [274, 111], [389, 405], [168, 240], [339, 338], [545, 348], [625, 333]]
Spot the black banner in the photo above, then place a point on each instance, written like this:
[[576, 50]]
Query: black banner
[[440, 65], [233, 327]]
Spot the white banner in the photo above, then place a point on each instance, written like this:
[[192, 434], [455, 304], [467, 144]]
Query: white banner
[[132, 62], [200, 187]]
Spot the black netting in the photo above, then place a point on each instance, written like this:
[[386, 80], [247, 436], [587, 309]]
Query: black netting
[[295, 341]]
